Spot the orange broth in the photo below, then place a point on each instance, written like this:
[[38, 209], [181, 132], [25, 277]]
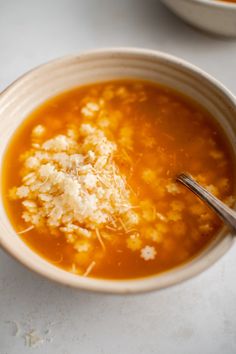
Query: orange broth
[[170, 134], [232, 1]]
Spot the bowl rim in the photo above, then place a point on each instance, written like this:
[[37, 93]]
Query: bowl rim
[[216, 3], [123, 286]]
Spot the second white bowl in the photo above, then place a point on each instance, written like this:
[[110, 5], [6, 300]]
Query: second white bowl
[[210, 15]]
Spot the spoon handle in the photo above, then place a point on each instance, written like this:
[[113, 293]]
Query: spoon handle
[[224, 212]]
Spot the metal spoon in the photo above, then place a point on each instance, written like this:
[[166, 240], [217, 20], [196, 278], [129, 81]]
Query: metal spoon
[[222, 210]]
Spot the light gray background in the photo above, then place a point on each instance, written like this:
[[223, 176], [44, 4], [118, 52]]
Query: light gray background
[[196, 317]]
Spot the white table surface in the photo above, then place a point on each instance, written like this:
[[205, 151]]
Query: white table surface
[[198, 316]]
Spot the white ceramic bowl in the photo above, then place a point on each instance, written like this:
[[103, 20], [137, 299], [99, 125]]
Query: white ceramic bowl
[[25, 94], [209, 15]]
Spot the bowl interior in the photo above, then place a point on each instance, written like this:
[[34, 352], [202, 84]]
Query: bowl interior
[[48, 80]]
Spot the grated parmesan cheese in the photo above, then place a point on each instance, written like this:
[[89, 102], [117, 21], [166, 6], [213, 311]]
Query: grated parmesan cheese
[[73, 184]]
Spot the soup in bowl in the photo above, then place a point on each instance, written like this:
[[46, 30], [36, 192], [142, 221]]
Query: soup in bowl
[[94, 144]]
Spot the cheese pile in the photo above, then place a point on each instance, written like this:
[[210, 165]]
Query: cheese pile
[[71, 182]]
